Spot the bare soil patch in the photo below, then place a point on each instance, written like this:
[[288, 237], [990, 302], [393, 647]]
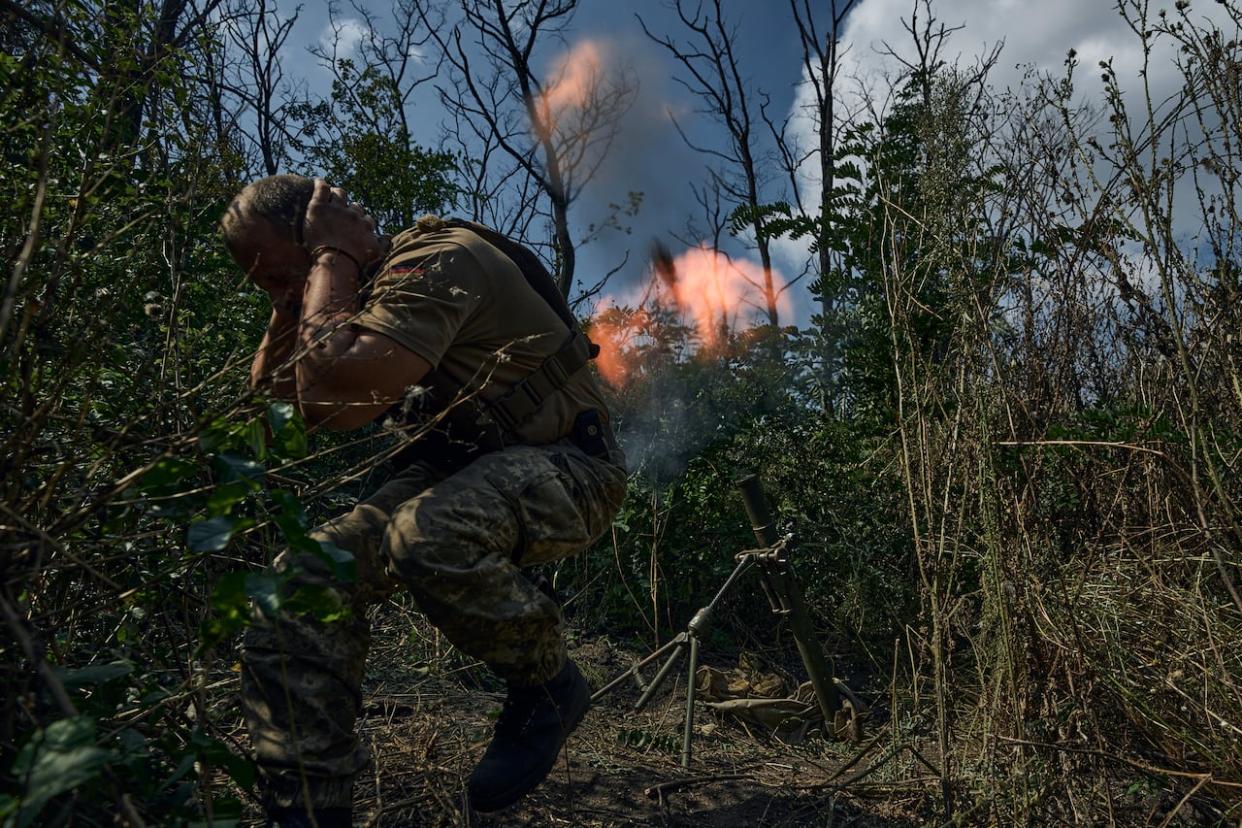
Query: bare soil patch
[[620, 768]]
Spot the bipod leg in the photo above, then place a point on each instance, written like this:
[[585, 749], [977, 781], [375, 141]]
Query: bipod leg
[[662, 674], [691, 688], [634, 670]]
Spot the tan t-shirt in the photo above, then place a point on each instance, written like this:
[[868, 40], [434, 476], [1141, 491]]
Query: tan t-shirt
[[457, 302]]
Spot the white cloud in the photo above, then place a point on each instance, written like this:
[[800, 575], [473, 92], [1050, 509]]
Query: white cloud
[[347, 34], [1035, 35]]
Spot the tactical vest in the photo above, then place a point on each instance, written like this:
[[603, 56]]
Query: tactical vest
[[454, 425]]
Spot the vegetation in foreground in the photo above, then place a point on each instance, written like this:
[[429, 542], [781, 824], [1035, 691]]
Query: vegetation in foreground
[[1008, 444]]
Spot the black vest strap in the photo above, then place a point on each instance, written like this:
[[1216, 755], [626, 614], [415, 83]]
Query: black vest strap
[[512, 410]]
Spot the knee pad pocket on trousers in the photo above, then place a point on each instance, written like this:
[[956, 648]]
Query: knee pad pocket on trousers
[[551, 522], [445, 530]]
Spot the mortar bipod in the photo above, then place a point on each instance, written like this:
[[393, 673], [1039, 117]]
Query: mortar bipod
[[780, 586]]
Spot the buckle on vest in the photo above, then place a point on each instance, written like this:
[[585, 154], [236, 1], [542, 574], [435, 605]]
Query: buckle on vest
[[556, 373], [499, 414], [526, 398]]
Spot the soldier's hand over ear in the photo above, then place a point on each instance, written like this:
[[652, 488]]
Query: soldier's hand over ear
[[333, 221]]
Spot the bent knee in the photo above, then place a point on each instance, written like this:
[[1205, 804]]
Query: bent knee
[[442, 534], [362, 581]]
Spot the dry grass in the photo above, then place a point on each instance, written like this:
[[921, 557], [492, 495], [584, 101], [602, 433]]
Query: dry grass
[[428, 716]]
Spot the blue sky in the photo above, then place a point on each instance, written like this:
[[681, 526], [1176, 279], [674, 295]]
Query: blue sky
[[650, 157]]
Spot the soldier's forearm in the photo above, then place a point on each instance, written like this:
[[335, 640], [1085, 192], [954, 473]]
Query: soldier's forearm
[[330, 300], [324, 334], [272, 369]]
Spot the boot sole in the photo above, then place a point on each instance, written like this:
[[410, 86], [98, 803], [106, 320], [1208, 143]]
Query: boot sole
[[487, 806]]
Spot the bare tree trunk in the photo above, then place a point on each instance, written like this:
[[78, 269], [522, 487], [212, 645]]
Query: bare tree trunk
[[713, 73], [821, 60], [506, 108], [762, 241], [131, 88], [541, 122], [258, 35]]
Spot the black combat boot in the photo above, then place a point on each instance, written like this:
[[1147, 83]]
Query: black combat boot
[[298, 818], [533, 725]]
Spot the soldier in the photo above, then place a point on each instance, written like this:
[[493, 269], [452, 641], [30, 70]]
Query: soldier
[[528, 474]]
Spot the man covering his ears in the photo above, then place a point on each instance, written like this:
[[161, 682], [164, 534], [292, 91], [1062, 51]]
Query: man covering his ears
[[515, 466]]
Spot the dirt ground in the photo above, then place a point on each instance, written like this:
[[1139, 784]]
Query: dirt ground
[[620, 768], [429, 714]]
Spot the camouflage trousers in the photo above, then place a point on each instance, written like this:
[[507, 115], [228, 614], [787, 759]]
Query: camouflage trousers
[[456, 543]]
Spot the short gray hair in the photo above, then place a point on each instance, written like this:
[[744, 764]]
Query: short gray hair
[[280, 200]]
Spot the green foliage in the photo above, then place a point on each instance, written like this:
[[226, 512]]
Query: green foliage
[[692, 424], [649, 740], [74, 755], [112, 364], [60, 758], [360, 140], [851, 549], [238, 501], [890, 179], [1041, 511]]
